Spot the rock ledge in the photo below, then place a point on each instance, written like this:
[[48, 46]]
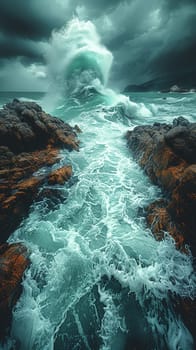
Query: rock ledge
[[29, 140], [167, 153]]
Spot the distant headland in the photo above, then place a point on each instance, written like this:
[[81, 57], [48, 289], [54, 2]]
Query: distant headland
[[183, 83]]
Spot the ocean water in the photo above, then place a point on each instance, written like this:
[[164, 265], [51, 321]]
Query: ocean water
[[98, 279]]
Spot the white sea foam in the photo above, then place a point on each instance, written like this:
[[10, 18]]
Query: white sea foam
[[97, 234]]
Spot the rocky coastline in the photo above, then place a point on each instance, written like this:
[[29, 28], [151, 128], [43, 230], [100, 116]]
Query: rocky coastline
[[30, 143], [167, 153]]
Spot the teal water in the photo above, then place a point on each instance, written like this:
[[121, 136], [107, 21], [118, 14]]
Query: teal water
[[166, 106], [98, 278], [7, 96]]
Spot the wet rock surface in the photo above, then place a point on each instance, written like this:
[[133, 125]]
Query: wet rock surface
[[160, 220], [167, 153], [24, 126], [13, 262], [30, 140]]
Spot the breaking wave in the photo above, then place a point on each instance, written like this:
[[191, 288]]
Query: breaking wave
[[77, 61]]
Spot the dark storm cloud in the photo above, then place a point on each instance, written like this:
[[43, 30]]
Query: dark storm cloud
[[179, 50], [13, 46], [147, 38], [30, 18], [176, 4], [175, 60], [35, 19], [152, 39], [25, 27], [97, 8]]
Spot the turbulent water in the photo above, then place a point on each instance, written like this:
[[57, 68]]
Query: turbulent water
[[98, 278]]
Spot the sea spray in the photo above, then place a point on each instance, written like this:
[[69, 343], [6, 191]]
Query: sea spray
[[77, 61], [78, 67]]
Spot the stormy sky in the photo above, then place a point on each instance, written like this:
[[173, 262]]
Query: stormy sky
[[148, 38]]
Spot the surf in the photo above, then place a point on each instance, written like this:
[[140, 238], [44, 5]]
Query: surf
[[83, 62]]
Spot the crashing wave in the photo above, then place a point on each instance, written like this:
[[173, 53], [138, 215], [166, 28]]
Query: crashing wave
[[77, 61]]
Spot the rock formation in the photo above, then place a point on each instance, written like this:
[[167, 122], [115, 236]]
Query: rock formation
[[30, 141], [167, 153]]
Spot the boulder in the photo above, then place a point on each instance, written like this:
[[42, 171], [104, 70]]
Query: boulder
[[25, 127]]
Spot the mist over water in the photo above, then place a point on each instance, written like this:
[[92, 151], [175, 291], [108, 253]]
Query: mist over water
[[98, 278]]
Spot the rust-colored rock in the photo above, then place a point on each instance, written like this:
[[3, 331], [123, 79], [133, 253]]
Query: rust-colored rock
[[29, 141], [13, 262], [167, 153], [160, 221], [60, 175], [183, 204]]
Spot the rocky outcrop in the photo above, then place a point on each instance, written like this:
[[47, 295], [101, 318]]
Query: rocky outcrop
[[30, 140], [13, 262], [167, 153], [25, 127]]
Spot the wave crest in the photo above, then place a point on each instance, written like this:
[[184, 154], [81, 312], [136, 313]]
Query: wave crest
[[76, 59]]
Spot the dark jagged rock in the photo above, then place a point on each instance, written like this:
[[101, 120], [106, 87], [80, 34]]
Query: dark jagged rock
[[167, 153], [182, 139], [13, 262], [29, 140], [25, 127], [52, 197]]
